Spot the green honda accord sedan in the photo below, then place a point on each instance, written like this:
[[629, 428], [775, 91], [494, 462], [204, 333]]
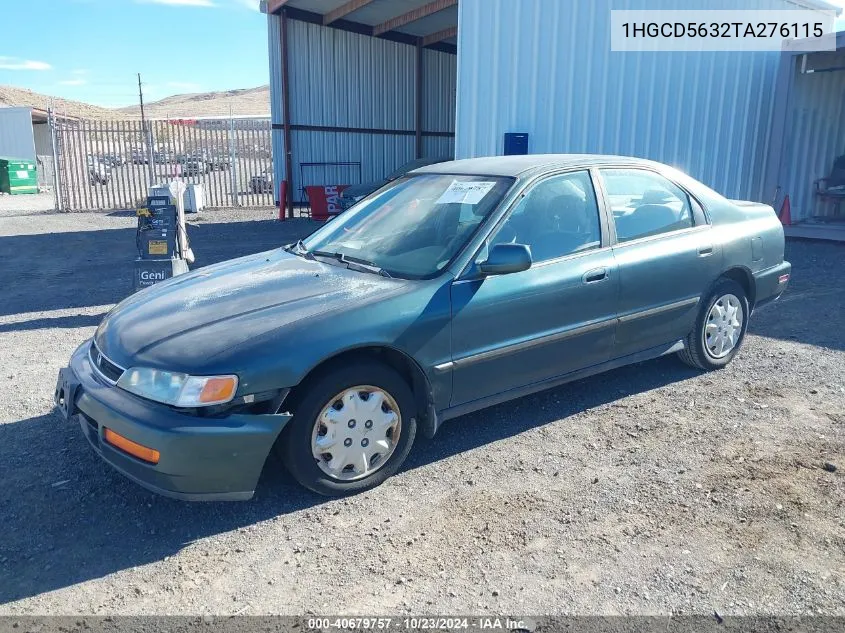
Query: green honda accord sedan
[[458, 286]]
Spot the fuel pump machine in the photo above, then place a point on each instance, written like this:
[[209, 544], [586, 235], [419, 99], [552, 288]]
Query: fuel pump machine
[[161, 240]]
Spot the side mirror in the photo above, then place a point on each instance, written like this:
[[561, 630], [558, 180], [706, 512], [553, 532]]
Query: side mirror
[[505, 259]]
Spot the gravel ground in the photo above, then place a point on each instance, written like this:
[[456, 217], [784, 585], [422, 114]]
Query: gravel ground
[[653, 489], [23, 204]]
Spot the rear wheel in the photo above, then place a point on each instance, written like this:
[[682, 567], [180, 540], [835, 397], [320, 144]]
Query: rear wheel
[[351, 430], [719, 329]]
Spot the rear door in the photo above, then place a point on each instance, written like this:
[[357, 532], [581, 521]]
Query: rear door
[[558, 316], [666, 255]]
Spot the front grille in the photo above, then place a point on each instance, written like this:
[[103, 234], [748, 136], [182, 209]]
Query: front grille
[[103, 365]]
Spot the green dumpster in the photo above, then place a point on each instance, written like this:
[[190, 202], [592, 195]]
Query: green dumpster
[[18, 175]]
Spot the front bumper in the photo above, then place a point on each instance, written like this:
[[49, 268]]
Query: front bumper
[[770, 283], [202, 459]]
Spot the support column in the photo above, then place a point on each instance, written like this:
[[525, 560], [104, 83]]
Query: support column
[[419, 100], [286, 113]]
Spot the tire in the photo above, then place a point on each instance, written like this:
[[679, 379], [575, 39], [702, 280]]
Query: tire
[[699, 355], [297, 446]]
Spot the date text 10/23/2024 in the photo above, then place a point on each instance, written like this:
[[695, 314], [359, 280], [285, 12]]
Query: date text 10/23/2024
[[433, 623]]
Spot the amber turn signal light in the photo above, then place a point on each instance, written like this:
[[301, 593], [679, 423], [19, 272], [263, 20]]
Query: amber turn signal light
[[128, 446], [218, 390]]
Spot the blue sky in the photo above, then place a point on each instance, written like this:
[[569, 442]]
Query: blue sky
[[90, 50]]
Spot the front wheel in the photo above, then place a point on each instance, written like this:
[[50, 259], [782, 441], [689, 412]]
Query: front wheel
[[719, 329], [351, 430]]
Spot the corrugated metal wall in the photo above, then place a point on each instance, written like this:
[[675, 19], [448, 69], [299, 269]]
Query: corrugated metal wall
[[346, 79], [815, 132], [440, 74], [343, 79], [545, 67], [378, 155], [16, 138], [42, 138]]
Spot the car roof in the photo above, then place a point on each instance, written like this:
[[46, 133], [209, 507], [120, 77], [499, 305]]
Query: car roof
[[515, 166]]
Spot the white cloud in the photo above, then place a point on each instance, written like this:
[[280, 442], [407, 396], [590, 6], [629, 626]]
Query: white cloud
[[182, 3], [15, 63], [73, 82], [248, 4]]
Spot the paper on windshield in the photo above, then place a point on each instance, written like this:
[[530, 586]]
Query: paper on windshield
[[465, 192]]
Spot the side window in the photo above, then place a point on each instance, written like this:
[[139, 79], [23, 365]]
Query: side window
[[644, 203], [558, 216]]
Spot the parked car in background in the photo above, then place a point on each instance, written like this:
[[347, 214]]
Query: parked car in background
[[353, 194], [164, 157], [459, 286], [140, 157], [99, 172], [219, 161], [195, 155], [263, 182], [114, 160], [194, 167]]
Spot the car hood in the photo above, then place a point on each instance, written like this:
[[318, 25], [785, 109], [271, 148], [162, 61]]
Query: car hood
[[190, 322]]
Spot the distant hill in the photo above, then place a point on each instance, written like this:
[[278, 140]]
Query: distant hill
[[12, 96], [243, 102]]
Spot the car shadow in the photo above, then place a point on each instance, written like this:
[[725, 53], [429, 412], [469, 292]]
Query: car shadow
[[68, 517], [74, 321], [810, 311], [483, 427]]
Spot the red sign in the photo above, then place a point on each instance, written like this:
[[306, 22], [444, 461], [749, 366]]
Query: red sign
[[324, 200]]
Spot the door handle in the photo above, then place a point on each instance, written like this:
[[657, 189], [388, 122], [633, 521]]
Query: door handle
[[594, 276], [704, 251]]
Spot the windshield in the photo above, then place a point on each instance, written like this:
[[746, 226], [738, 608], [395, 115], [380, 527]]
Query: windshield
[[414, 226]]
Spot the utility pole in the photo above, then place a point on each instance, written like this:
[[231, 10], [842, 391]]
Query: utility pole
[[147, 135], [141, 97]]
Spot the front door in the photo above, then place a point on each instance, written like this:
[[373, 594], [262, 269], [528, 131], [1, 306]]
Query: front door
[[515, 330], [666, 256]]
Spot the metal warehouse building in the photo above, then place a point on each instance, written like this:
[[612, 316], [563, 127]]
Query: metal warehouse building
[[361, 86]]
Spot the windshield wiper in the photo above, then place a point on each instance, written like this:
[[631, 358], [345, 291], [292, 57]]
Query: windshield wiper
[[359, 263], [299, 249], [364, 264]]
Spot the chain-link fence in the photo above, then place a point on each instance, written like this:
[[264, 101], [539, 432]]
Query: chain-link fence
[[111, 164]]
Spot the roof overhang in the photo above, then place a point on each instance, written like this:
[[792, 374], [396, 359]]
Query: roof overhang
[[40, 115], [818, 4], [428, 23], [804, 46]]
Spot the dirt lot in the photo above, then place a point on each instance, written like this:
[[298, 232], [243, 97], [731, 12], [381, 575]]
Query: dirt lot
[[651, 489]]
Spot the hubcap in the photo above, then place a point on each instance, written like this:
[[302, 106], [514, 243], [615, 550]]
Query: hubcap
[[723, 326], [356, 433]]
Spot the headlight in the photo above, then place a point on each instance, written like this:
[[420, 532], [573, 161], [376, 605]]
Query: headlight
[[179, 390]]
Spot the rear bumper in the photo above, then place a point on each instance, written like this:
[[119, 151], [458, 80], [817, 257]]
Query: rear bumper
[[771, 283], [200, 458]]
